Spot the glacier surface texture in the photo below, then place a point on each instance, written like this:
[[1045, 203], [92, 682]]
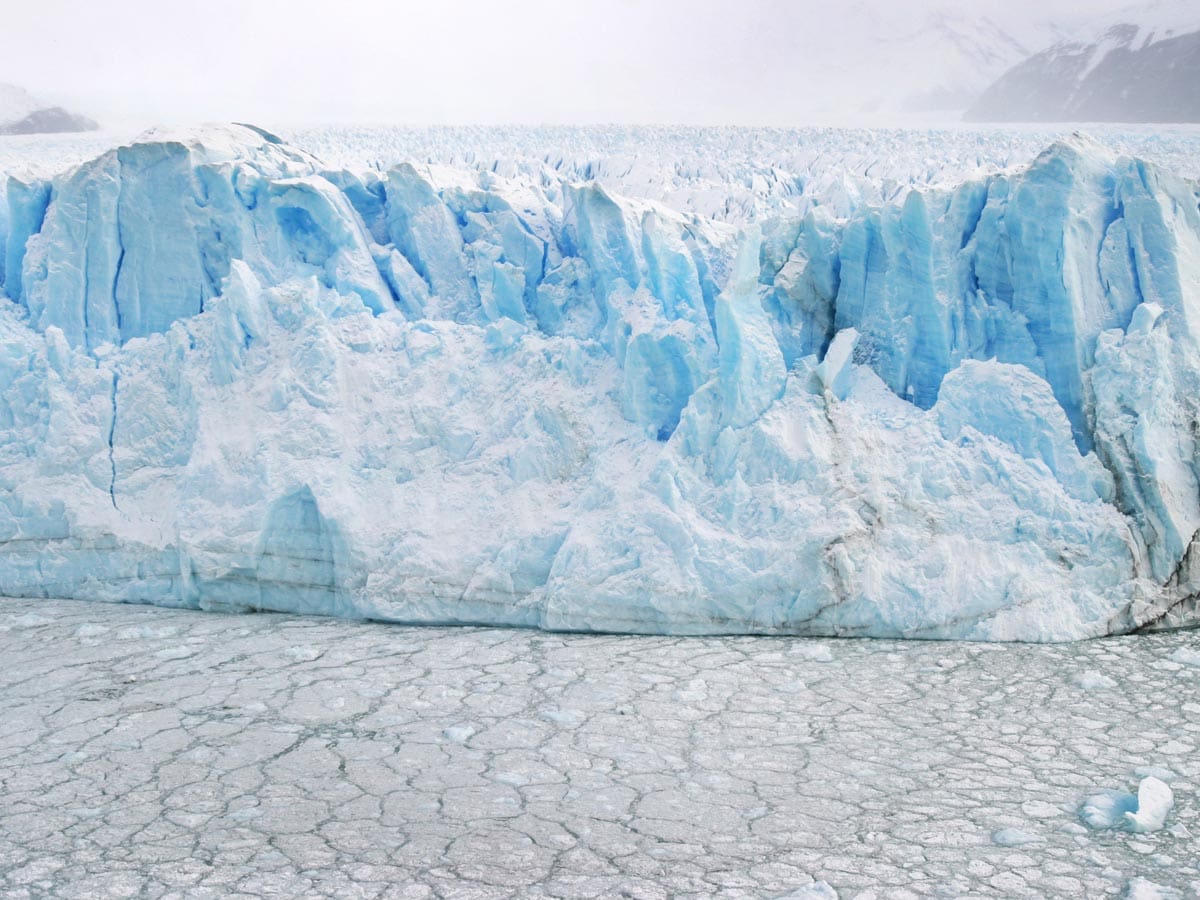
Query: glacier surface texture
[[234, 377]]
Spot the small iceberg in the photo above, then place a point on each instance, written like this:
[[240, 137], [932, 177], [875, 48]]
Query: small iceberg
[[1141, 813]]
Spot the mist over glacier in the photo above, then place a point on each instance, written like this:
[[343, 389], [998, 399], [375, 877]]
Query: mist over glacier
[[712, 62], [235, 377]]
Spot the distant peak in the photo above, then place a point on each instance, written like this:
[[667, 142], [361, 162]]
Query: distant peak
[[23, 113]]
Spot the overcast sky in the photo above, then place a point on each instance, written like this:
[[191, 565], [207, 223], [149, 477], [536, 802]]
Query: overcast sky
[[417, 61]]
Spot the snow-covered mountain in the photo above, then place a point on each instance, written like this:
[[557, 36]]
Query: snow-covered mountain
[[23, 113], [939, 62], [863, 63], [967, 51], [1142, 65]]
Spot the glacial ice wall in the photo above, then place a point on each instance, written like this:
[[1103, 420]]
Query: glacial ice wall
[[235, 378]]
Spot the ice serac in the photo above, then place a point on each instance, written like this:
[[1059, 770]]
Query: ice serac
[[232, 377], [144, 236], [1082, 269]]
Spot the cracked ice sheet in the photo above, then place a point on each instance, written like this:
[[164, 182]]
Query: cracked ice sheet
[[155, 752]]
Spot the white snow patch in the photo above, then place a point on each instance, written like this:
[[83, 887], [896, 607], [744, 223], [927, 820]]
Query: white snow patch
[[818, 890], [814, 652], [1095, 681], [303, 653], [1143, 889], [1015, 837], [1188, 656], [1160, 772], [460, 734]]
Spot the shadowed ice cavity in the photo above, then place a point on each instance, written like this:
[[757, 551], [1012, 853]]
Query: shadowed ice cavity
[[295, 568], [528, 400]]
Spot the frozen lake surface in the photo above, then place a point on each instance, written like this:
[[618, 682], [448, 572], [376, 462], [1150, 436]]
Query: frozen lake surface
[[153, 752]]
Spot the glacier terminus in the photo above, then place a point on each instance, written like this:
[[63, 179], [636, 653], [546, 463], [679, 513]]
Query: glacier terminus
[[233, 376]]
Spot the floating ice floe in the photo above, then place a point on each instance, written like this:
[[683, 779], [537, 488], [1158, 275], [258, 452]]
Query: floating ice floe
[[1015, 837], [1144, 889], [1188, 656], [1143, 812]]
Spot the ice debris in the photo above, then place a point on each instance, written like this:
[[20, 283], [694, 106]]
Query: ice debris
[[1015, 837], [1144, 889], [1188, 656], [1144, 812], [818, 890], [1095, 681]]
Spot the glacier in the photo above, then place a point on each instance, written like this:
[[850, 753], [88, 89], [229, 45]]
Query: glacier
[[235, 377]]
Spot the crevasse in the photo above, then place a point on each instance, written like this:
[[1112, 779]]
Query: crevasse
[[235, 379]]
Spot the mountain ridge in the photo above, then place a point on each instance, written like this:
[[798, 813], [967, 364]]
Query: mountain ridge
[[23, 113], [1142, 65]]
